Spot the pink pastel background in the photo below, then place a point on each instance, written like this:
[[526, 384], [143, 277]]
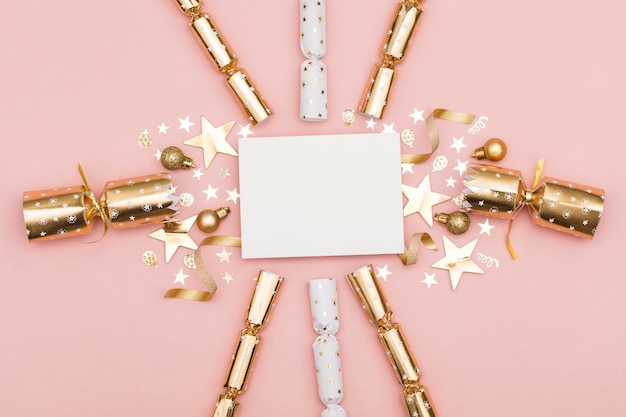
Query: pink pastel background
[[84, 328]]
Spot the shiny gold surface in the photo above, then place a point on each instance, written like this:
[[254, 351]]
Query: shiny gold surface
[[399, 353], [494, 149], [250, 99], [215, 46], [225, 407], [267, 286], [209, 220], [417, 401], [376, 95], [367, 288], [401, 30], [189, 7], [243, 360]]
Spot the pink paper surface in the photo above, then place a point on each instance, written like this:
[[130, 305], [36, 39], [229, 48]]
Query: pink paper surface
[[85, 330]]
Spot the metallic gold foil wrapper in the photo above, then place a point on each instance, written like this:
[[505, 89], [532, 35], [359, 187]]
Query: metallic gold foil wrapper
[[401, 30], [189, 7], [374, 99], [226, 406], [366, 287], [399, 353], [266, 290], [250, 100], [67, 212], [560, 205], [417, 401], [243, 360], [212, 41]]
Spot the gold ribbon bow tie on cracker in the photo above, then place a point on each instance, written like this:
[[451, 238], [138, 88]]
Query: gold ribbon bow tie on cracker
[[69, 211], [560, 205]]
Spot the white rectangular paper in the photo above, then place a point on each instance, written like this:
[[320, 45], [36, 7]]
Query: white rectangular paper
[[325, 195]]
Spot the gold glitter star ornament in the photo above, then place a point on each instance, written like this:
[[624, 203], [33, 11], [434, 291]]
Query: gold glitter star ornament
[[176, 234], [457, 260], [212, 140]]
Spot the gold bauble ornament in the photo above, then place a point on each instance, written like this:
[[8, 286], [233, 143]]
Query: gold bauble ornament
[[173, 158], [494, 149], [457, 222], [209, 220]]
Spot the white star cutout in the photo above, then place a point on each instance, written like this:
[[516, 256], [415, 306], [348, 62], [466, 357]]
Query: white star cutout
[[210, 192], [180, 277], [162, 128], [458, 144], [224, 173], [228, 278], [457, 260], [407, 168], [370, 123], [383, 272], [417, 115], [461, 167], [429, 280], [185, 124], [224, 255], [450, 181], [421, 200], [486, 227], [157, 155], [233, 195], [244, 131], [197, 173], [388, 128]]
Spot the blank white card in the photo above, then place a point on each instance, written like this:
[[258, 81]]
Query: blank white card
[[325, 195]]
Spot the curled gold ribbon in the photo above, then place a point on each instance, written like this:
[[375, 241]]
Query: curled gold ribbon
[[433, 132], [98, 207], [205, 275], [409, 257]]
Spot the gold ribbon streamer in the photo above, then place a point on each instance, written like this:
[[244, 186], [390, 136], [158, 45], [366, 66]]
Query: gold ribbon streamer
[[409, 257], [433, 132], [205, 275], [538, 172]]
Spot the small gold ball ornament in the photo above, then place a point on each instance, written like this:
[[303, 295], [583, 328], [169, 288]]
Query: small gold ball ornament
[[457, 222], [173, 158], [494, 149], [209, 220]]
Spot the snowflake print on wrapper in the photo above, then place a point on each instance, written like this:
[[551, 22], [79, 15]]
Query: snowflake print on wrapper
[[567, 214]]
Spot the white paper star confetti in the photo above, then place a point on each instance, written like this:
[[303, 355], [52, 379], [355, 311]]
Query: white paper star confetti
[[486, 227], [197, 173], [228, 278], [417, 115], [388, 128], [421, 200], [450, 181], [157, 155], [370, 123], [233, 195], [429, 280], [175, 234], [461, 167], [458, 144], [457, 260], [407, 168], [185, 124], [210, 192], [224, 173], [180, 277], [224, 255], [162, 128], [383, 272], [244, 131], [212, 140]]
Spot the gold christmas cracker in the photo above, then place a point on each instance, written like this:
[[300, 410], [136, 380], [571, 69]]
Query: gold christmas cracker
[[217, 49], [245, 352], [366, 287], [399, 35], [556, 204], [70, 211]]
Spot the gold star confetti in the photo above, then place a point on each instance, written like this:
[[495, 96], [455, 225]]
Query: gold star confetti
[[175, 234], [422, 200], [212, 140], [457, 260]]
